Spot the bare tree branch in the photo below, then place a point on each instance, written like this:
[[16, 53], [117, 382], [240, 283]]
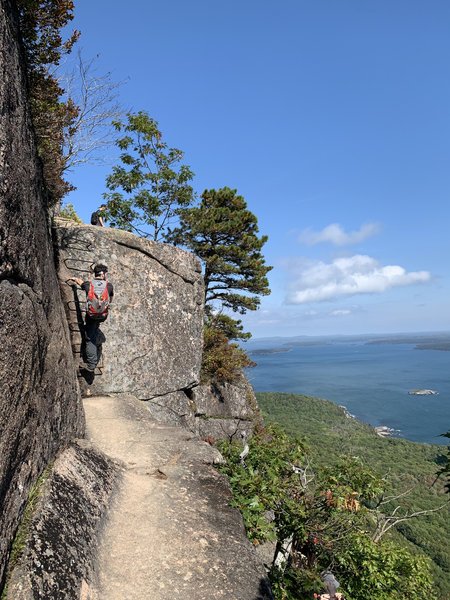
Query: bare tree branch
[[386, 522], [96, 100]]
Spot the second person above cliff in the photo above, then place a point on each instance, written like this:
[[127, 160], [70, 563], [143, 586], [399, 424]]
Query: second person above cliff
[[97, 216]]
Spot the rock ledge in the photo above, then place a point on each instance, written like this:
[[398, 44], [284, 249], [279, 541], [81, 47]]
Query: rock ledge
[[60, 553]]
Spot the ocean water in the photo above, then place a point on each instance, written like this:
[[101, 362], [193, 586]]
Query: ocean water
[[371, 380]]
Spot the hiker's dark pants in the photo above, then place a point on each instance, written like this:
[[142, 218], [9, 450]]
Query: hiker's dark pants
[[93, 347]]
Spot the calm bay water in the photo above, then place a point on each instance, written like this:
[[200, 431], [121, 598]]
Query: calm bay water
[[371, 381]]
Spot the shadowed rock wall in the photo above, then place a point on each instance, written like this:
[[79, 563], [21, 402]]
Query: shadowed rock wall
[[60, 554], [226, 410], [219, 411], [154, 332], [40, 405]]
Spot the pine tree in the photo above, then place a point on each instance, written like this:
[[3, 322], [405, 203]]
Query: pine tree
[[222, 232]]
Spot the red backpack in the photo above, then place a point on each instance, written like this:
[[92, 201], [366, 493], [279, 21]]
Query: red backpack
[[98, 300]]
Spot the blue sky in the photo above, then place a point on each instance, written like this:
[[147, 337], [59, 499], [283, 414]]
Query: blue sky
[[332, 119]]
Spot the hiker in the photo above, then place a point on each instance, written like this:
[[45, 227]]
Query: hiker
[[99, 293], [96, 217]]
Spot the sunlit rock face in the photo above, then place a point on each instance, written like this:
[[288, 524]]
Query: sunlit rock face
[[40, 403], [154, 332]]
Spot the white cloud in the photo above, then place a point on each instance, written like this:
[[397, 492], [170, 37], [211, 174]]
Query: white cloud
[[340, 313], [336, 235], [359, 274]]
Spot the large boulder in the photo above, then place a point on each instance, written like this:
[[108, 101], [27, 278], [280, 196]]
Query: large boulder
[[153, 335], [220, 410], [60, 547], [40, 404], [226, 410]]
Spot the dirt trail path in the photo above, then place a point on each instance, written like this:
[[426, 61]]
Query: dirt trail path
[[170, 532]]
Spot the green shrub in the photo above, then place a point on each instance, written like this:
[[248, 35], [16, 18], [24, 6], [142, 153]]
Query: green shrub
[[222, 360], [409, 465], [68, 212], [23, 530], [326, 515]]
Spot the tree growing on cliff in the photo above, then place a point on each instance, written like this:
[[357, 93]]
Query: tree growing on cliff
[[68, 212], [221, 360], [41, 25], [155, 186], [222, 232]]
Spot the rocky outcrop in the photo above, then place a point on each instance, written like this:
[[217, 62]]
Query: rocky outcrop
[[226, 410], [62, 541], [153, 335], [40, 404], [216, 411]]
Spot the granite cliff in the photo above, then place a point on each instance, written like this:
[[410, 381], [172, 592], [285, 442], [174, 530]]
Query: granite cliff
[[40, 403], [153, 335]]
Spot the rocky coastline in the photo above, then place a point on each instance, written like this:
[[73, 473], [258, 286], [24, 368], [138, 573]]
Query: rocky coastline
[[384, 431]]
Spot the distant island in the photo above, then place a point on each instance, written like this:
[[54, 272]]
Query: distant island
[[437, 341], [308, 343], [420, 340], [445, 346], [423, 393], [262, 351]]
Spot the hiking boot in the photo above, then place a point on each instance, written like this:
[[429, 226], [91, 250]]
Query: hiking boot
[[87, 375]]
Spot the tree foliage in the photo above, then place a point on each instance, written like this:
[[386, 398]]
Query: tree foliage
[[155, 186], [321, 519], [68, 212], [222, 232], [410, 467], [41, 25], [444, 471], [221, 359]]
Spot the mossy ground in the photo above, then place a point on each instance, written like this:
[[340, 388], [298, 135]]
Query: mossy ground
[[24, 527]]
